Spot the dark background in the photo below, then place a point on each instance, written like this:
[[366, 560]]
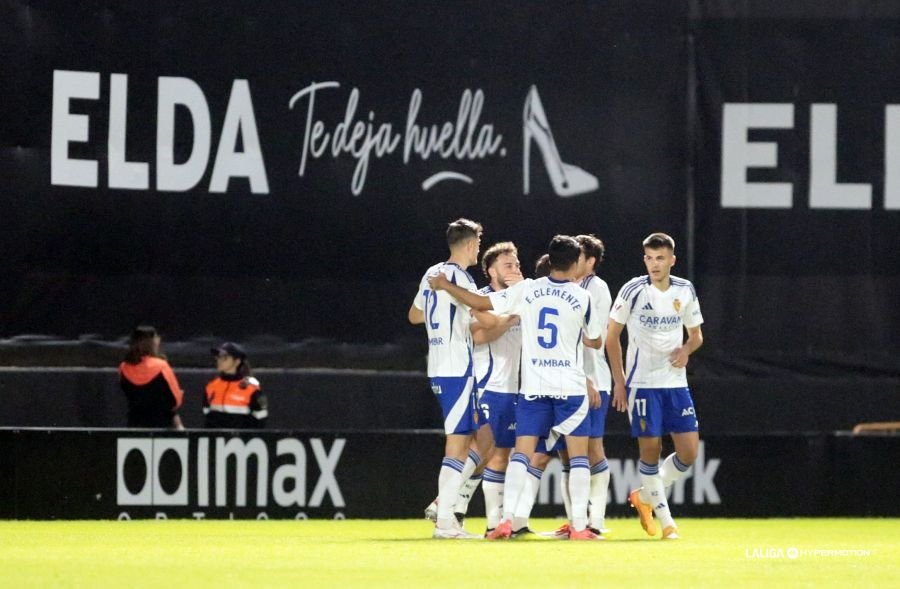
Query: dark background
[[312, 275]]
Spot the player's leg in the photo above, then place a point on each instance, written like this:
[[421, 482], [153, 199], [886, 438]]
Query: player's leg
[[599, 484], [680, 420], [533, 416], [599, 465], [646, 426], [563, 454], [456, 401], [654, 490], [539, 461], [494, 479], [571, 420], [479, 453], [677, 464], [499, 411]]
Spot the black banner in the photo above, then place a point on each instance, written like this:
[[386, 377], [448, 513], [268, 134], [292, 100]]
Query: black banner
[[240, 168], [287, 170], [798, 192], [121, 474], [369, 401]]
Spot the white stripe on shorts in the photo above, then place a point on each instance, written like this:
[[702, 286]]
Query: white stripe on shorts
[[570, 423], [463, 403]]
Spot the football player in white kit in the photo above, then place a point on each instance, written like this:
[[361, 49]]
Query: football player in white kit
[[450, 363], [556, 321], [597, 371], [656, 309], [497, 353]]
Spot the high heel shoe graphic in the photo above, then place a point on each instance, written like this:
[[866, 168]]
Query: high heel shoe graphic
[[567, 180]]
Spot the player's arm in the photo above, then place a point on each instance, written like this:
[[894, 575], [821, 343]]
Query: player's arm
[[486, 319], [593, 325], [473, 300], [594, 399], [483, 334], [603, 303], [679, 357], [616, 364], [416, 315]]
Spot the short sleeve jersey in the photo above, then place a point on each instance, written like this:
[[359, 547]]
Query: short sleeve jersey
[[497, 362], [655, 321], [596, 367], [553, 317], [446, 323]]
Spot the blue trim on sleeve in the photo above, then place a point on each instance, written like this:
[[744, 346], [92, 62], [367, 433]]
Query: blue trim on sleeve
[[637, 355]]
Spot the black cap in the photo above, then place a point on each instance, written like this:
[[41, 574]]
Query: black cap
[[231, 349]]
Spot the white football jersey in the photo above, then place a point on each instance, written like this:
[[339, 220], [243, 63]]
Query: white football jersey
[[497, 362], [447, 323], [595, 366], [553, 316], [655, 321]]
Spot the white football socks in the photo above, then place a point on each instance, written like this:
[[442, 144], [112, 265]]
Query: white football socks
[[448, 489], [672, 470], [654, 493], [579, 490], [599, 494]]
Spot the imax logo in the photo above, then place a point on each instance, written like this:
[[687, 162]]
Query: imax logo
[[156, 471]]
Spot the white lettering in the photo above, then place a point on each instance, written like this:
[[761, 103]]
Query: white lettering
[[122, 173], [124, 448], [203, 472], [71, 128], [294, 471], [704, 487], [363, 139], [241, 452], [892, 157], [824, 190], [171, 93], [738, 154], [327, 482], [239, 118], [180, 495]]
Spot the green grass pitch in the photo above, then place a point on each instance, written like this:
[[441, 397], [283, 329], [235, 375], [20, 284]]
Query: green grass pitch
[[400, 553]]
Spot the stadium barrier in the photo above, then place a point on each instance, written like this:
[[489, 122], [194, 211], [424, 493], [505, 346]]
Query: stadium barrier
[[326, 399], [128, 474]]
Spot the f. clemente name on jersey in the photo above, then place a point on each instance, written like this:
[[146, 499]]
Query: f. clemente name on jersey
[[554, 292]]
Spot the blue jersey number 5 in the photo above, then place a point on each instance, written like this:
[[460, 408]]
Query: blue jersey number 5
[[544, 323]]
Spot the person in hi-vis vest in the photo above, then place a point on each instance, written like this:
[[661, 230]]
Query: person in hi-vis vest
[[234, 399]]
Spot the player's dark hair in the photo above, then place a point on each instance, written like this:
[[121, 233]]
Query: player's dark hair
[[659, 240], [461, 230], [564, 252], [140, 344], [593, 247], [494, 252], [542, 266]]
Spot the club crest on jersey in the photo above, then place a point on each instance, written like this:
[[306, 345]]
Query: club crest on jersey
[[677, 304]]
